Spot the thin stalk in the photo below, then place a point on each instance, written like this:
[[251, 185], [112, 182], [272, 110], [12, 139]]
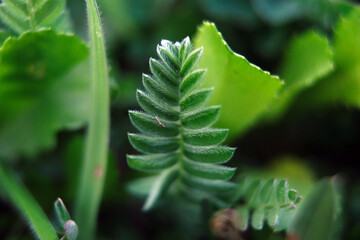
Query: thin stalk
[[31, 15], [95, 159], [15, 191]]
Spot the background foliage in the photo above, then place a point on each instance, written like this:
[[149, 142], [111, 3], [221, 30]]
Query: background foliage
[[301, 122]]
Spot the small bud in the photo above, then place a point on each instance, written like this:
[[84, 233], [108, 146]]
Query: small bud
[[61, 212], [71, 230]]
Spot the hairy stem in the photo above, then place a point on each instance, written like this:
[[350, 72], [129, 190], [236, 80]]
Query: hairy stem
[[95, 161], [20, 197]]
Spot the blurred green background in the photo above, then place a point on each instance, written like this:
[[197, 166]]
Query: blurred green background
[[305, 143]]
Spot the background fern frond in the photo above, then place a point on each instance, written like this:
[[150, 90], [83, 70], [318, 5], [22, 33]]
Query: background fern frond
[[263, 201], [23, 15], [176, 136]]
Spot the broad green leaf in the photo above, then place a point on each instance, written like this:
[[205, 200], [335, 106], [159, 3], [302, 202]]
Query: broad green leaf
[[13, 190], [317, 215], [242, 89], [36, 98], [38, 56], [24, 15], [343, 86], [308, 58], [4, 34], [346, 41]]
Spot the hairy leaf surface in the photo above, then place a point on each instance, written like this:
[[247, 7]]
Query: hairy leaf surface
[[177, 138]]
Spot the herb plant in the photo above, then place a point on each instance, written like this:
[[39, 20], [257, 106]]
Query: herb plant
[[177, 135]]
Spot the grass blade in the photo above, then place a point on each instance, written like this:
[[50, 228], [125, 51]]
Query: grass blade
[[94, 166], [19, 196]]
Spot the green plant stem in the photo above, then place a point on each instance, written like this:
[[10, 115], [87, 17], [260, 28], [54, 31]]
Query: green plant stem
[[20, 197], [95, 161], [31, 15]]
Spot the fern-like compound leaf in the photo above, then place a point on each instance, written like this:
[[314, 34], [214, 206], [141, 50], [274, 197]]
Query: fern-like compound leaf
[[23, 15], [176, 136], [268, 201]]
